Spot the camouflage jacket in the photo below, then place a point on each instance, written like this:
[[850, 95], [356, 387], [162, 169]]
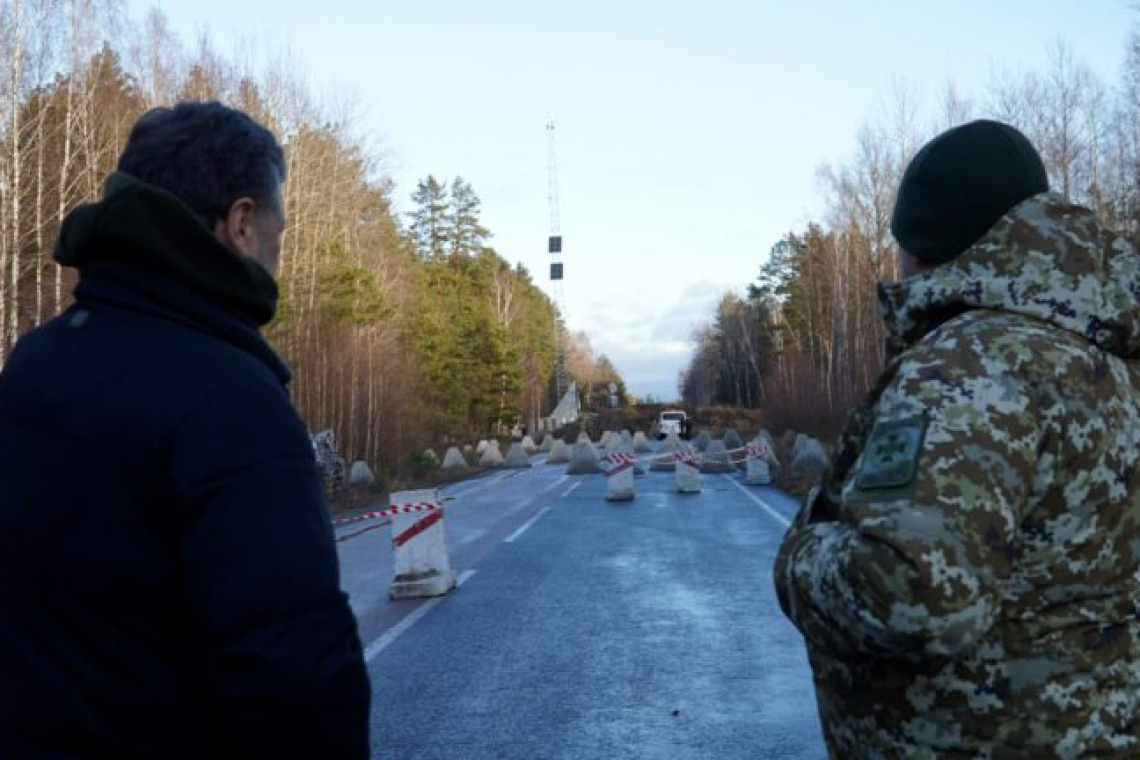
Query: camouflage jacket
[[967, 577]]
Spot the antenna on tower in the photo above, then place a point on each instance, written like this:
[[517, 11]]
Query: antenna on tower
[[554, 246]]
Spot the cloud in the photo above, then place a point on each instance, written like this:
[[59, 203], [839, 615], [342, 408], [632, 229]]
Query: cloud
[[650, 343]]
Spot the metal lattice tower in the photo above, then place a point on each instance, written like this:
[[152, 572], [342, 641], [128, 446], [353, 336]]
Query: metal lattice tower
[[554, 246]]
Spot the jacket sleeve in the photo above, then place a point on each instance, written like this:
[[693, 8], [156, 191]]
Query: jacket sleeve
[[913, 570], [283, 657]]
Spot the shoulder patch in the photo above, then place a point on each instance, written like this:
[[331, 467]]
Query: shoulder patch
[[890, 457]]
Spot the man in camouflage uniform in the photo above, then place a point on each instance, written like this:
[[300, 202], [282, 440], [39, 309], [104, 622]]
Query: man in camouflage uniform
[[966, 577]]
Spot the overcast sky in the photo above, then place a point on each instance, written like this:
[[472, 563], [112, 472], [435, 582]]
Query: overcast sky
[[688, 134]]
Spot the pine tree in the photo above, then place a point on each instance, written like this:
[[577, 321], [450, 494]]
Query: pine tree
[[432, 219], [467, 234]]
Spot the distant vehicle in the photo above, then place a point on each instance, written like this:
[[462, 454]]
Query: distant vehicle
[[671, 421]]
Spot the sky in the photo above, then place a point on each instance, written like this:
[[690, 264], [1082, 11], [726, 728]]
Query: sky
[[688, 135]]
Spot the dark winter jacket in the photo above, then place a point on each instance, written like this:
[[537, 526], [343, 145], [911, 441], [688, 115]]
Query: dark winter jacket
[[169, 585]]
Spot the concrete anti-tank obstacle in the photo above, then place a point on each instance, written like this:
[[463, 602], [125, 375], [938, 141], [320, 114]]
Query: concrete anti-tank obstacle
[[703, 440], [492, 457], [614, 444], [584, 459], [604, 441], [547, 443], [419, 561], [627, 437], [482, 446], [360, 474], [619, 468], [453, 459], [431, 456], [583, 436], [732, 440], [801, 441], [766, 437], [665, 460], [517, 458], [756, 470], [640, 442], [716, 458], [528, 445], [559, 453], [639, 465], [810, 457], [688, 472]]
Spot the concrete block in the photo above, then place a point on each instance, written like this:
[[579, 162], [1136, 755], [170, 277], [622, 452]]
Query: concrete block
[[420, 562]]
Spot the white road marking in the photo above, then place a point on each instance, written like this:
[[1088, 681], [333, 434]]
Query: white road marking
[[469, 491], [560, 481], [514, 536], [485, 483], [470, 536], [393, 633], [568, 490], [779, 517]]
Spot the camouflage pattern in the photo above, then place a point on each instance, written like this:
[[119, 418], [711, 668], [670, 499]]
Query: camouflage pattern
[[330, 464], [985, 604]]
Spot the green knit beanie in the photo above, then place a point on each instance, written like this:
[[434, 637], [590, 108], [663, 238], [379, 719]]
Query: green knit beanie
[[959, 184]]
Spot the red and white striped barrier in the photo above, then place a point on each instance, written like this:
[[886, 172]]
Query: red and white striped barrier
[[419, 545], [621, 461], [757, 472], [403, 509], [619, 478], [688, 472], [358, 518]]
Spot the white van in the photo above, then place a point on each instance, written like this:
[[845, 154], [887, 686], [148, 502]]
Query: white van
[[670, 421]]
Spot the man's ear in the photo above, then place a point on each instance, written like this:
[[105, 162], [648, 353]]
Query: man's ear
[[236, 231]]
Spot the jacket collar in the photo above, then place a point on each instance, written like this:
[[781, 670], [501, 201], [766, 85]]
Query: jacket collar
[[1047, 258]]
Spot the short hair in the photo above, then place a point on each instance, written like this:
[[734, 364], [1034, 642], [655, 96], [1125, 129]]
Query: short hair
[[206, 154]]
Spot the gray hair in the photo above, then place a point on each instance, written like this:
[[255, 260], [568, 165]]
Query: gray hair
[[206, 154]]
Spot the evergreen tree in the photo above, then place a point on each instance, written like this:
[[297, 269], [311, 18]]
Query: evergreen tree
[[467, 234], [432, 219]]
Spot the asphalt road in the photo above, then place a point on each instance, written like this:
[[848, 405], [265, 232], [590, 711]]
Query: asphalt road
[[588, 629]]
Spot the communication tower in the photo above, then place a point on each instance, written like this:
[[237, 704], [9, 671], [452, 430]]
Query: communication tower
[[554, 246]]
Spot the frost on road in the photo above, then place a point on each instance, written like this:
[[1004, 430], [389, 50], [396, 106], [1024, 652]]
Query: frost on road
[[585, 628]]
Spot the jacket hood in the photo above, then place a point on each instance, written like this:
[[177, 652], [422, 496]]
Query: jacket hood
[[1046, 258], [146, 227]]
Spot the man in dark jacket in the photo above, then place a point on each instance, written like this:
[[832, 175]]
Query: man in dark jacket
[[168, 582]]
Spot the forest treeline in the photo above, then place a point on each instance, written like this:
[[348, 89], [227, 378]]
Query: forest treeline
[[805, 341], [402, 333]]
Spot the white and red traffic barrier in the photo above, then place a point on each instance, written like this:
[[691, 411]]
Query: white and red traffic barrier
[[688, 471], [419, 545], [757, 472], [358, 518], [619, 476]]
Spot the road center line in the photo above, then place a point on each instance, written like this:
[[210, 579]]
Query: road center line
[[779, 517], [484, 483], [560, 481], [514, 536], [393, 633], [568, 490]]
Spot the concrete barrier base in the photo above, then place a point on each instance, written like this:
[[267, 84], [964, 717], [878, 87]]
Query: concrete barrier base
[[758, 473], [418, 585]]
